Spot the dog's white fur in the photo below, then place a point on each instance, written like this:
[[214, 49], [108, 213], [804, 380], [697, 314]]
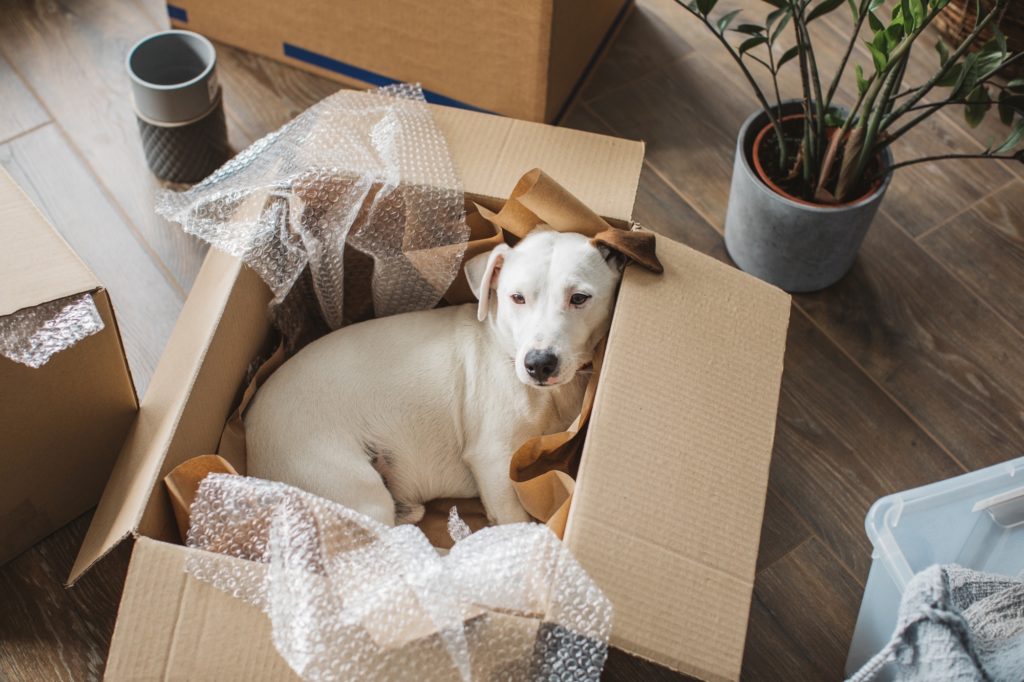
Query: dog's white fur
[[388, 414]]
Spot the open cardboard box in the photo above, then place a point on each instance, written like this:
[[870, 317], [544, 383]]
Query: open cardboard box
[[61, 424], [666, 514], [525, 59]]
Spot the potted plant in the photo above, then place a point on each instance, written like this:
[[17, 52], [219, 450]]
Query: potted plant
[[809, 174]]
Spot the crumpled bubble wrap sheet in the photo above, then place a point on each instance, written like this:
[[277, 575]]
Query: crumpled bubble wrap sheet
[[34, 335], [368, 168], [351, 599]]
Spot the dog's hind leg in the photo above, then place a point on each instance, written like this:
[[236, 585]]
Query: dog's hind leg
[[340, 473]]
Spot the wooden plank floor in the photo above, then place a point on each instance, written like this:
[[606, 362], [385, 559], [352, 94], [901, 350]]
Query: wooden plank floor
[[906, 372]]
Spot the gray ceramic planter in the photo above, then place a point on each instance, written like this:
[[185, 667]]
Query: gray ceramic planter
[[794, 246]]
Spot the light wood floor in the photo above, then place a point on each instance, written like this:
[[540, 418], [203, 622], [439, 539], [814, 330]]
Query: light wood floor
[[907, 371]]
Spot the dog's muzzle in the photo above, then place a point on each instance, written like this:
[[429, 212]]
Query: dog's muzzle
[[541, 365]]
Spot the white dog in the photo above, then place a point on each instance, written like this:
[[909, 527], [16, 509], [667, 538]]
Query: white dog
[[388, 414]]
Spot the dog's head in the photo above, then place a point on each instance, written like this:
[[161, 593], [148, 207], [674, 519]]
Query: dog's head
[[551, 297]]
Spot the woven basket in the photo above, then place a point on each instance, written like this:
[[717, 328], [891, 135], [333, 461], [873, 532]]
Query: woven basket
[[957, 21]]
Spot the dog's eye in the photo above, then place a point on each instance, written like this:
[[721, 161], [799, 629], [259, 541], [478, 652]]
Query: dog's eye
[[579, 299], [518, 299]]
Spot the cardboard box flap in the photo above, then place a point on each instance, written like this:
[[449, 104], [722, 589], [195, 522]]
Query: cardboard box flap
[[194, 386], [670, 494], [168, 420], [36, 264], [170, 625], [491, 153]]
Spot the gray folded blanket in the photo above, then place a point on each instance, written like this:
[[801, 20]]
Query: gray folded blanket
[[956, 624]]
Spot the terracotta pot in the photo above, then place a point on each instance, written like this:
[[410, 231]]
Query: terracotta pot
[[766, 178]]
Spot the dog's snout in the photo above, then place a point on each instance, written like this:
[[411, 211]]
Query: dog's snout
[[541, 364]]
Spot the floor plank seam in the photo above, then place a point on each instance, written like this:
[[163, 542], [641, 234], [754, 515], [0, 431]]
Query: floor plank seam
[[811, 536], [975, 294], [906, 411], [956, 215], [140, 238], [26, 132], [815, 534]]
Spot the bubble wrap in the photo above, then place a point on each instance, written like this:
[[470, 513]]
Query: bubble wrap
[[351, 599], [370, 169], [33, 335]]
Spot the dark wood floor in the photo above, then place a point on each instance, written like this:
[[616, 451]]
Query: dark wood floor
[[907, 371]]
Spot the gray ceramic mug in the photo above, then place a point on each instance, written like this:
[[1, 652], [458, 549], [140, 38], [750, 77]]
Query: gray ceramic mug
[[178, 105]]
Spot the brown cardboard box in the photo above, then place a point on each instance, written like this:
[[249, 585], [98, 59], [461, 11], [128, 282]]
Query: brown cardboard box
[[524, 59], [668, 503], [61, 425]]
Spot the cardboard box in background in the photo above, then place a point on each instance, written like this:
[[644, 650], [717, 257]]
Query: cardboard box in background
[[524, 59], [667, 509], [62, 424]]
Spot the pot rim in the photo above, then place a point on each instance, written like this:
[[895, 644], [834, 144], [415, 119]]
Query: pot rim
[[157, 87], [806, 206]]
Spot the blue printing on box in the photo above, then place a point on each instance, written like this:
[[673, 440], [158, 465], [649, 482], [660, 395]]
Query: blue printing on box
[[177, 13], [371, 77]]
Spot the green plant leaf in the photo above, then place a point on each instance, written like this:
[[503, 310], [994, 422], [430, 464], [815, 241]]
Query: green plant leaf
[[1013, 139], [1006, 110], [880, 58], [781, 26], [854, 10], [823, 8], [834, 118], [968, 77], [951, 77], [875, 23], [705, 6], [990, 58], [918, 12], [776, 3], [749, 29], [726, 19], [893, 35], [943, 49], [786, 56], [1016, 85], [977, 106], [862, 84], [875, 4], [939, 4], [751, 43]]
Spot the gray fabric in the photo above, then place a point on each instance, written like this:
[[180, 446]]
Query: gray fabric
[[957, 624]]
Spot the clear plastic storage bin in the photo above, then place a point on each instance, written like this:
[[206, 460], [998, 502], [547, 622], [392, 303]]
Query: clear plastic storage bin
[[975, 520]]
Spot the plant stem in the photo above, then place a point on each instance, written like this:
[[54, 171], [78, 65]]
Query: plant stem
[[819, 101], [778, 98], [904, 129], [809, 144], [942, 157], [776, 123], [950, 101], [872, 130], [861, 16], [832, 151]]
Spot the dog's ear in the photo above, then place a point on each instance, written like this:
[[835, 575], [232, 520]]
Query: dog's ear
[[482, 272], [622, 245]]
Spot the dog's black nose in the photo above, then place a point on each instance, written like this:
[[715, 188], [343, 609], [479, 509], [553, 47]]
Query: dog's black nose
[[541, 364]]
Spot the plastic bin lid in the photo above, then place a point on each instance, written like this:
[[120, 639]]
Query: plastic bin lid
[[975, 520]]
